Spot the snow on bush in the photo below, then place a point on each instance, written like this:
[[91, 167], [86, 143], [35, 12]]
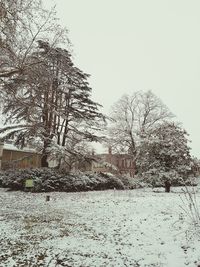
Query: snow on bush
[[157, 178], [47, 180]]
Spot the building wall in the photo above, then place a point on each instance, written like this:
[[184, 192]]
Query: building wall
[[124, 163], [112, 163], [116, 164], [20, 159]]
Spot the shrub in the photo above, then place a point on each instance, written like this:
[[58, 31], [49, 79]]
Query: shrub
[[157, 178], [47, 180]]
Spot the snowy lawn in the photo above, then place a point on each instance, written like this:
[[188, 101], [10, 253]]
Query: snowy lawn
[[109, 228]]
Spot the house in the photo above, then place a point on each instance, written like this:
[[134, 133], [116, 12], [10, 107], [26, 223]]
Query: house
[[109, 162], [12, 157]]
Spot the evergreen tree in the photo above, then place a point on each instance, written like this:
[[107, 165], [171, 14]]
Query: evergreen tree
[[165, 154], [50, 102]]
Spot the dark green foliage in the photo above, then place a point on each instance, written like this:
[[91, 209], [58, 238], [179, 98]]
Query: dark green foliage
[[47, 180]]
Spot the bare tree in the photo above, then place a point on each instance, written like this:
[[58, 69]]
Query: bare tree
[[22, 23], [133, 117]]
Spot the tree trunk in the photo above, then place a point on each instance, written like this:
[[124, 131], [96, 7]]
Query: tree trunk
[[167, 186], [44, 162]]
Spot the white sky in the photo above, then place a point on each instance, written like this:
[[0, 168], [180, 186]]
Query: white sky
[[130, 45]]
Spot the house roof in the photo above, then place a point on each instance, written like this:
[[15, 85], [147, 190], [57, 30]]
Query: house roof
[[14, 148]]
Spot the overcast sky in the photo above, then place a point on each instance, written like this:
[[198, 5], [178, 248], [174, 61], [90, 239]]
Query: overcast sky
[[130, 45]]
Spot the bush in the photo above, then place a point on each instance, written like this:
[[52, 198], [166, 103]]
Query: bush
[[156, 178], [47, 180]]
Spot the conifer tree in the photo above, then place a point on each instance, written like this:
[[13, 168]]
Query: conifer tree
[[51, 102]]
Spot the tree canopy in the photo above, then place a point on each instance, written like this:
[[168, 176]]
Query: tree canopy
[[142, 126], [132, 117], [22, 23], [165, 154]]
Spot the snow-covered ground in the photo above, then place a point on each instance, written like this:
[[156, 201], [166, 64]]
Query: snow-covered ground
[[91, 229]]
